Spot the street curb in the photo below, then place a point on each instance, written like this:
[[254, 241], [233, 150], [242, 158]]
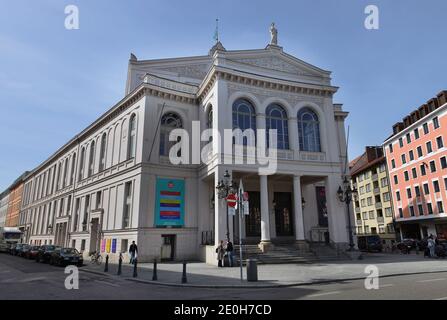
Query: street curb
[[295, 284]]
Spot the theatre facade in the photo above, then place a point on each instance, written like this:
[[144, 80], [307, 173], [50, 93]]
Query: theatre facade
[[115, 182]]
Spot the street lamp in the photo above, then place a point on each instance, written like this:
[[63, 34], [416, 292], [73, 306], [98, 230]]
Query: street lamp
[[224, 188], [345, 195]]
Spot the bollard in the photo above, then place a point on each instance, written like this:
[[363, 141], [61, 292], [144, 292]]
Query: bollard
[[120, 262], [106, 267], [154, 274], [252, 270], [184, 280], [135, 262]]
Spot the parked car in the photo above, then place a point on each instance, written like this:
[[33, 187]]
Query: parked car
[[15, 249], [370, 243], [32, 252], [65, 256], [44, 253], [406, 245], [24, 250]]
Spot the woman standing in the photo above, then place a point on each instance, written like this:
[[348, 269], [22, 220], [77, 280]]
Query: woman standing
[[220, 250]]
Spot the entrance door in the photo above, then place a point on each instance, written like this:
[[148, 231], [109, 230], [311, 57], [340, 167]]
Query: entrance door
[[168, 247], [94, 245], [321, 205], [253, 220], [283, 213]]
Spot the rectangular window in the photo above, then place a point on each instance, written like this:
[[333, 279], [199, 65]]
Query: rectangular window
[[426, 189], [432, 166], [408, 138], [386, 196], [365, 215], [412, 211], [397, 195], [436, 186], [439, 142], [390, 146], [363, 203], [423, 172], [127, 204], [124, 244], [425, 127], [362, 190], [69, 204], [371, 215], [445, 183], [440, 207], [83, 245], [393, 164], [411, 154], [388, 212], [443, 162], [417, 190], [76, 217], [401, 142], [409, 193], [384, 182], [368, 187], [416, 133], [98, 199], [419, 150], [86, 211], [407, 177], [429, 208], [396, 181], [404, 159], [61, 207], [436, 123], [369, 201], [420, 209], [429, 148], [401, 213], [414, 173]]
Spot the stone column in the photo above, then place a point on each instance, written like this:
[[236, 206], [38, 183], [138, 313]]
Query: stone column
[[294, 142], [265, 243], [299, 219], [337, 214]]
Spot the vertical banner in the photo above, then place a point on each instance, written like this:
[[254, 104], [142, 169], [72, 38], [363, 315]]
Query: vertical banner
[[114, 246], [169, 202], [103, 245], [108, 245]]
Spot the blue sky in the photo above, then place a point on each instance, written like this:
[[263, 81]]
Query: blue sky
[[54, 82]]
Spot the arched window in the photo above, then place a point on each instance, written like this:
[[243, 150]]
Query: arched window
[[276, 118], [169, 121], [82, 164], [309, 130], [65, 181], [132, 137], [73, 167], [91, 159], [102, 152], [244, 116], [209, 120]]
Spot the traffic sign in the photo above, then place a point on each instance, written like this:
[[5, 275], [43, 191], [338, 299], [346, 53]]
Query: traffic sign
[[231, 200]]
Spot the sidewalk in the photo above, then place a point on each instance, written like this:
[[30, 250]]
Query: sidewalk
[[278, 275]]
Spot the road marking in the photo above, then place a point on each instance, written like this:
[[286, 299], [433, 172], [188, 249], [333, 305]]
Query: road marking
[[432, 280], [32, 279], [323, 294], [386, 285], [108, 283], [443, 298]]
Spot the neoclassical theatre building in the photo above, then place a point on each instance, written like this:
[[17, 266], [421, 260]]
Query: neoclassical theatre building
[[115, 183]]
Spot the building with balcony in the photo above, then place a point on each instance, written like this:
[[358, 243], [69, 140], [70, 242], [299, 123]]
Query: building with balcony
[[129, 177], [372, 205], [417, 164]]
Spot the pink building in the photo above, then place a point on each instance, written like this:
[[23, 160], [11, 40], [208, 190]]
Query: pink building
[[417, 165]]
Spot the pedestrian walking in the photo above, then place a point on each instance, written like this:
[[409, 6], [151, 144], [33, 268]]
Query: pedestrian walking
[[229, 251], [133, 251], [220, 250], [431, 246]]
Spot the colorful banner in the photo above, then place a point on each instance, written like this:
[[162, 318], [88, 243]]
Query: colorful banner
[[113, 245], [169, 202], [103, 245], [108, 245]]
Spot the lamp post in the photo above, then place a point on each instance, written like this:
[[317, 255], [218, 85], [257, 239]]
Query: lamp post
[[224, 188], [345, 195]]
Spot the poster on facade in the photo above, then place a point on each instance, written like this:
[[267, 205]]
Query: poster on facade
[[114, 246], [169, 202], [108, 245], [103, 245]]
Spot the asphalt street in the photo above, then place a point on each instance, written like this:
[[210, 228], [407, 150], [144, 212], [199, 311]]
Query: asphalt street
[[25, 279]]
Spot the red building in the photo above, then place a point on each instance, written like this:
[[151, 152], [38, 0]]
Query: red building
[[417, 165]]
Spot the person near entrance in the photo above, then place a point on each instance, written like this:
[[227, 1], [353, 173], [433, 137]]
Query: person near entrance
[[220, 250], [229, 253], [431, 244], [133, 251]]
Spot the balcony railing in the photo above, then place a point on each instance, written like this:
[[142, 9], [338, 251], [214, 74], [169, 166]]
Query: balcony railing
[[380, 219], [378, 205], [357, 209], [359, 222], [312, 156], [376, 191], [375, 177]]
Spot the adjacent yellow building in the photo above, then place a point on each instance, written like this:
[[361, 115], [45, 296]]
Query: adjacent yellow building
[[373, 210]]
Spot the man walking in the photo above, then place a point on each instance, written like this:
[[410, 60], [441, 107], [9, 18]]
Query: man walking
[[229, 249], [133, 250], [431, 246]]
